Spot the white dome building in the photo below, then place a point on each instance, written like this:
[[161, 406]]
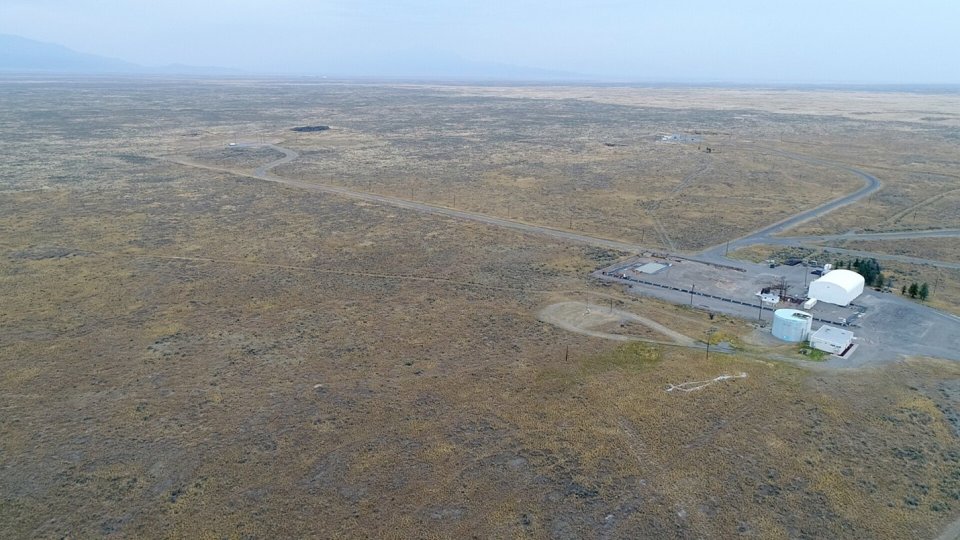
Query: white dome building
[[838, 287]]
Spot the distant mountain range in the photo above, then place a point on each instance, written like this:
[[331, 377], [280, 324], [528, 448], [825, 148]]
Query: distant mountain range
[[19, 54]]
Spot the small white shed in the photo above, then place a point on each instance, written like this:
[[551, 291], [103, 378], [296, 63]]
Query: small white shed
[[832, 340]]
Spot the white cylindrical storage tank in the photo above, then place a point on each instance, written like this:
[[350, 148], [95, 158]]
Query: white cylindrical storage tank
[[791, 325]]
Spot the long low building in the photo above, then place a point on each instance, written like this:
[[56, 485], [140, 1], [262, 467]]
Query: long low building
[[838, 287]]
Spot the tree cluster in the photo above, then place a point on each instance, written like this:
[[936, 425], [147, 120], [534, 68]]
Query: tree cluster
[[868, 268], [921, 291]]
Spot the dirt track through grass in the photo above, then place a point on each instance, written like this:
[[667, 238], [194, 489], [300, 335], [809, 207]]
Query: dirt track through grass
[[583, 318], [264, 174]]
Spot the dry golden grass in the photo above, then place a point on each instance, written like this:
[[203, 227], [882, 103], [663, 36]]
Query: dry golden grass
[[221, 396], [944, 283], [559, 173], [918, 170], [788, 460], [925, 108], [906, 139], [940, 249], [191, 354]]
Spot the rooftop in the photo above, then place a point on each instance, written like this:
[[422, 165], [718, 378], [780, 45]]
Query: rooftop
[[847, 279], [832, 335]]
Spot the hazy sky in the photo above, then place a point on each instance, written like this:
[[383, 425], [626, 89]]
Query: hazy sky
[[853, 41]]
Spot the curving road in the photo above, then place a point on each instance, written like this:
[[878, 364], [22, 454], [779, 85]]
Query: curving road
[[764, 235], [713, 255], [263, 171]]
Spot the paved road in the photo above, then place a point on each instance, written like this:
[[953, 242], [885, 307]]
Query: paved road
[[952, 532], [898, 235], [712, 255], [767, 234], [263, 173], [882, 256], [906, 319], [816, 241], [763, 236]]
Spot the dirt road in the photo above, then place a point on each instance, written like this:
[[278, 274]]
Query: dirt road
[[582, 318]]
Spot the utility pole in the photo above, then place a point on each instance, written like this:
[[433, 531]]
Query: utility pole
[[692, 287], [710, 333], [566, 355], [727, 250], [760, 312]]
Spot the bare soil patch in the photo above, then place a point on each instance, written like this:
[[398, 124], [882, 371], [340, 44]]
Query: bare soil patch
[[590, 319]]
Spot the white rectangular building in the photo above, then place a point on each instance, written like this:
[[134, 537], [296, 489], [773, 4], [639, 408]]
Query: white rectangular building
[[831, 340], [650, 268]]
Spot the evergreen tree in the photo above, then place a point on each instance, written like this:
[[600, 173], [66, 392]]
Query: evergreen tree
[[913, 290], [869, 269], [903, 290], [880, 281], [924, 291]]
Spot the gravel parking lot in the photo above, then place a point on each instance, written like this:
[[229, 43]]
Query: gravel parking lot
[[887, 326]]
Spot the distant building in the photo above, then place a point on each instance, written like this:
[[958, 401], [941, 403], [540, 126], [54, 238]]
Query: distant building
[[650, 268], [680, 137], [768, 298], [831, 340], [838, 287]]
